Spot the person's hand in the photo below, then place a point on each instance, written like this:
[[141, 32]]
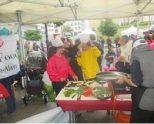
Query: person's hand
[[75, 78], [122, 80], [78, 54], [80, 47], [121, 58], [62, 79]]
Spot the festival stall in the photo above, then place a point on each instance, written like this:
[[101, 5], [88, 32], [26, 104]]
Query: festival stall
[[91, 96]]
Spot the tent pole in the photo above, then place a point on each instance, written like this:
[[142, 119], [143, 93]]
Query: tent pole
[[148, 24], [19, 19], [18, 12], [138, 22], [46, 36]]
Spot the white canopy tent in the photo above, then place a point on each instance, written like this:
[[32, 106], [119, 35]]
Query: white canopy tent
[[132, 30], [151, 29], [44, 11]]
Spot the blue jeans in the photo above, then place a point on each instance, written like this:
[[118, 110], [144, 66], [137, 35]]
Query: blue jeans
[[10, 101]]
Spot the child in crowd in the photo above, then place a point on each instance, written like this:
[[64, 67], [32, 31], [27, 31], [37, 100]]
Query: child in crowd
[[110, 55]]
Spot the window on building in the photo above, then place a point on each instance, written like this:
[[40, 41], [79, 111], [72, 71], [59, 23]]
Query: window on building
[[56, 30], [75, 33]]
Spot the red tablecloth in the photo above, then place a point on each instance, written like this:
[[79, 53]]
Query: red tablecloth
[[92, 103], [78, 105]]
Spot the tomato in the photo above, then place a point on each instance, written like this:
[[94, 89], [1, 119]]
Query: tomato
[[88, 92]]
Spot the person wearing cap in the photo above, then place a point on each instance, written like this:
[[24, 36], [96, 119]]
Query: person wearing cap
[[58, 67], [126, 48], [142, 70], [87, 59]]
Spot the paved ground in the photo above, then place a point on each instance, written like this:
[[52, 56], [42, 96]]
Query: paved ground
[[36, 106]]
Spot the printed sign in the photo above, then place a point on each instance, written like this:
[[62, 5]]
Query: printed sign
[[9, 63]]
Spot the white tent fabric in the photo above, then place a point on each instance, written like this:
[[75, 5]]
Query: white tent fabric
[[132, 30], [151, 28], [41, 11], [85, 35]]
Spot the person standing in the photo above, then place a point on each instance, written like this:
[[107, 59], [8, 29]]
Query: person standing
[[126, 48], [110, 56], [109, 42], [73, 61], [9, 66], [102, 42], [58, 67], [87, 59], [116, 41], [142, 71]]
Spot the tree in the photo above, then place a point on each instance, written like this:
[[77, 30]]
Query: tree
[[34, 35], [67, 29], [108, 28], [58, 23]]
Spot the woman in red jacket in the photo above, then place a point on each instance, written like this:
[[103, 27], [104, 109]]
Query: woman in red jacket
[[58, 68]]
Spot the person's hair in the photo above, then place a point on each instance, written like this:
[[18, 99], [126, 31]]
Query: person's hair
[[52, 50], [77, 42], [147, 37], [152, 36], [89, 44], [63, 39], [69, 40], [126, 38], [92, 37]]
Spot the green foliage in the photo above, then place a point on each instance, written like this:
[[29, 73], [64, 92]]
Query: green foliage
[[58, 23], [67, 28], [108, 28], [142, 24], [33, 35]]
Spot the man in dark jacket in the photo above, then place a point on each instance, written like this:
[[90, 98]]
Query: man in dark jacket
[[142, 70]]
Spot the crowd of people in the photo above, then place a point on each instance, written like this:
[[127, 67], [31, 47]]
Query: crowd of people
[[84, 59], [81, 62]]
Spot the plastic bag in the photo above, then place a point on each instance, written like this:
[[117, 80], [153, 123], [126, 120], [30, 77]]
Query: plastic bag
[[46, 79], [47, 86]]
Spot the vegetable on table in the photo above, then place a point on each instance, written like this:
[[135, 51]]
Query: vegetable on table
[[68, 92], [87, 92]]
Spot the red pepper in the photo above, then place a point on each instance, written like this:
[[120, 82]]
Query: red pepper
[[88, 92]]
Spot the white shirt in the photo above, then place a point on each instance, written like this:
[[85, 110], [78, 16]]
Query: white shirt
[[126, 50]]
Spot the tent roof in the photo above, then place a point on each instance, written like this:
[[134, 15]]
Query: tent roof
[[85, 35], [88, 31], [131, 30], [41, 11], [147, 30]]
